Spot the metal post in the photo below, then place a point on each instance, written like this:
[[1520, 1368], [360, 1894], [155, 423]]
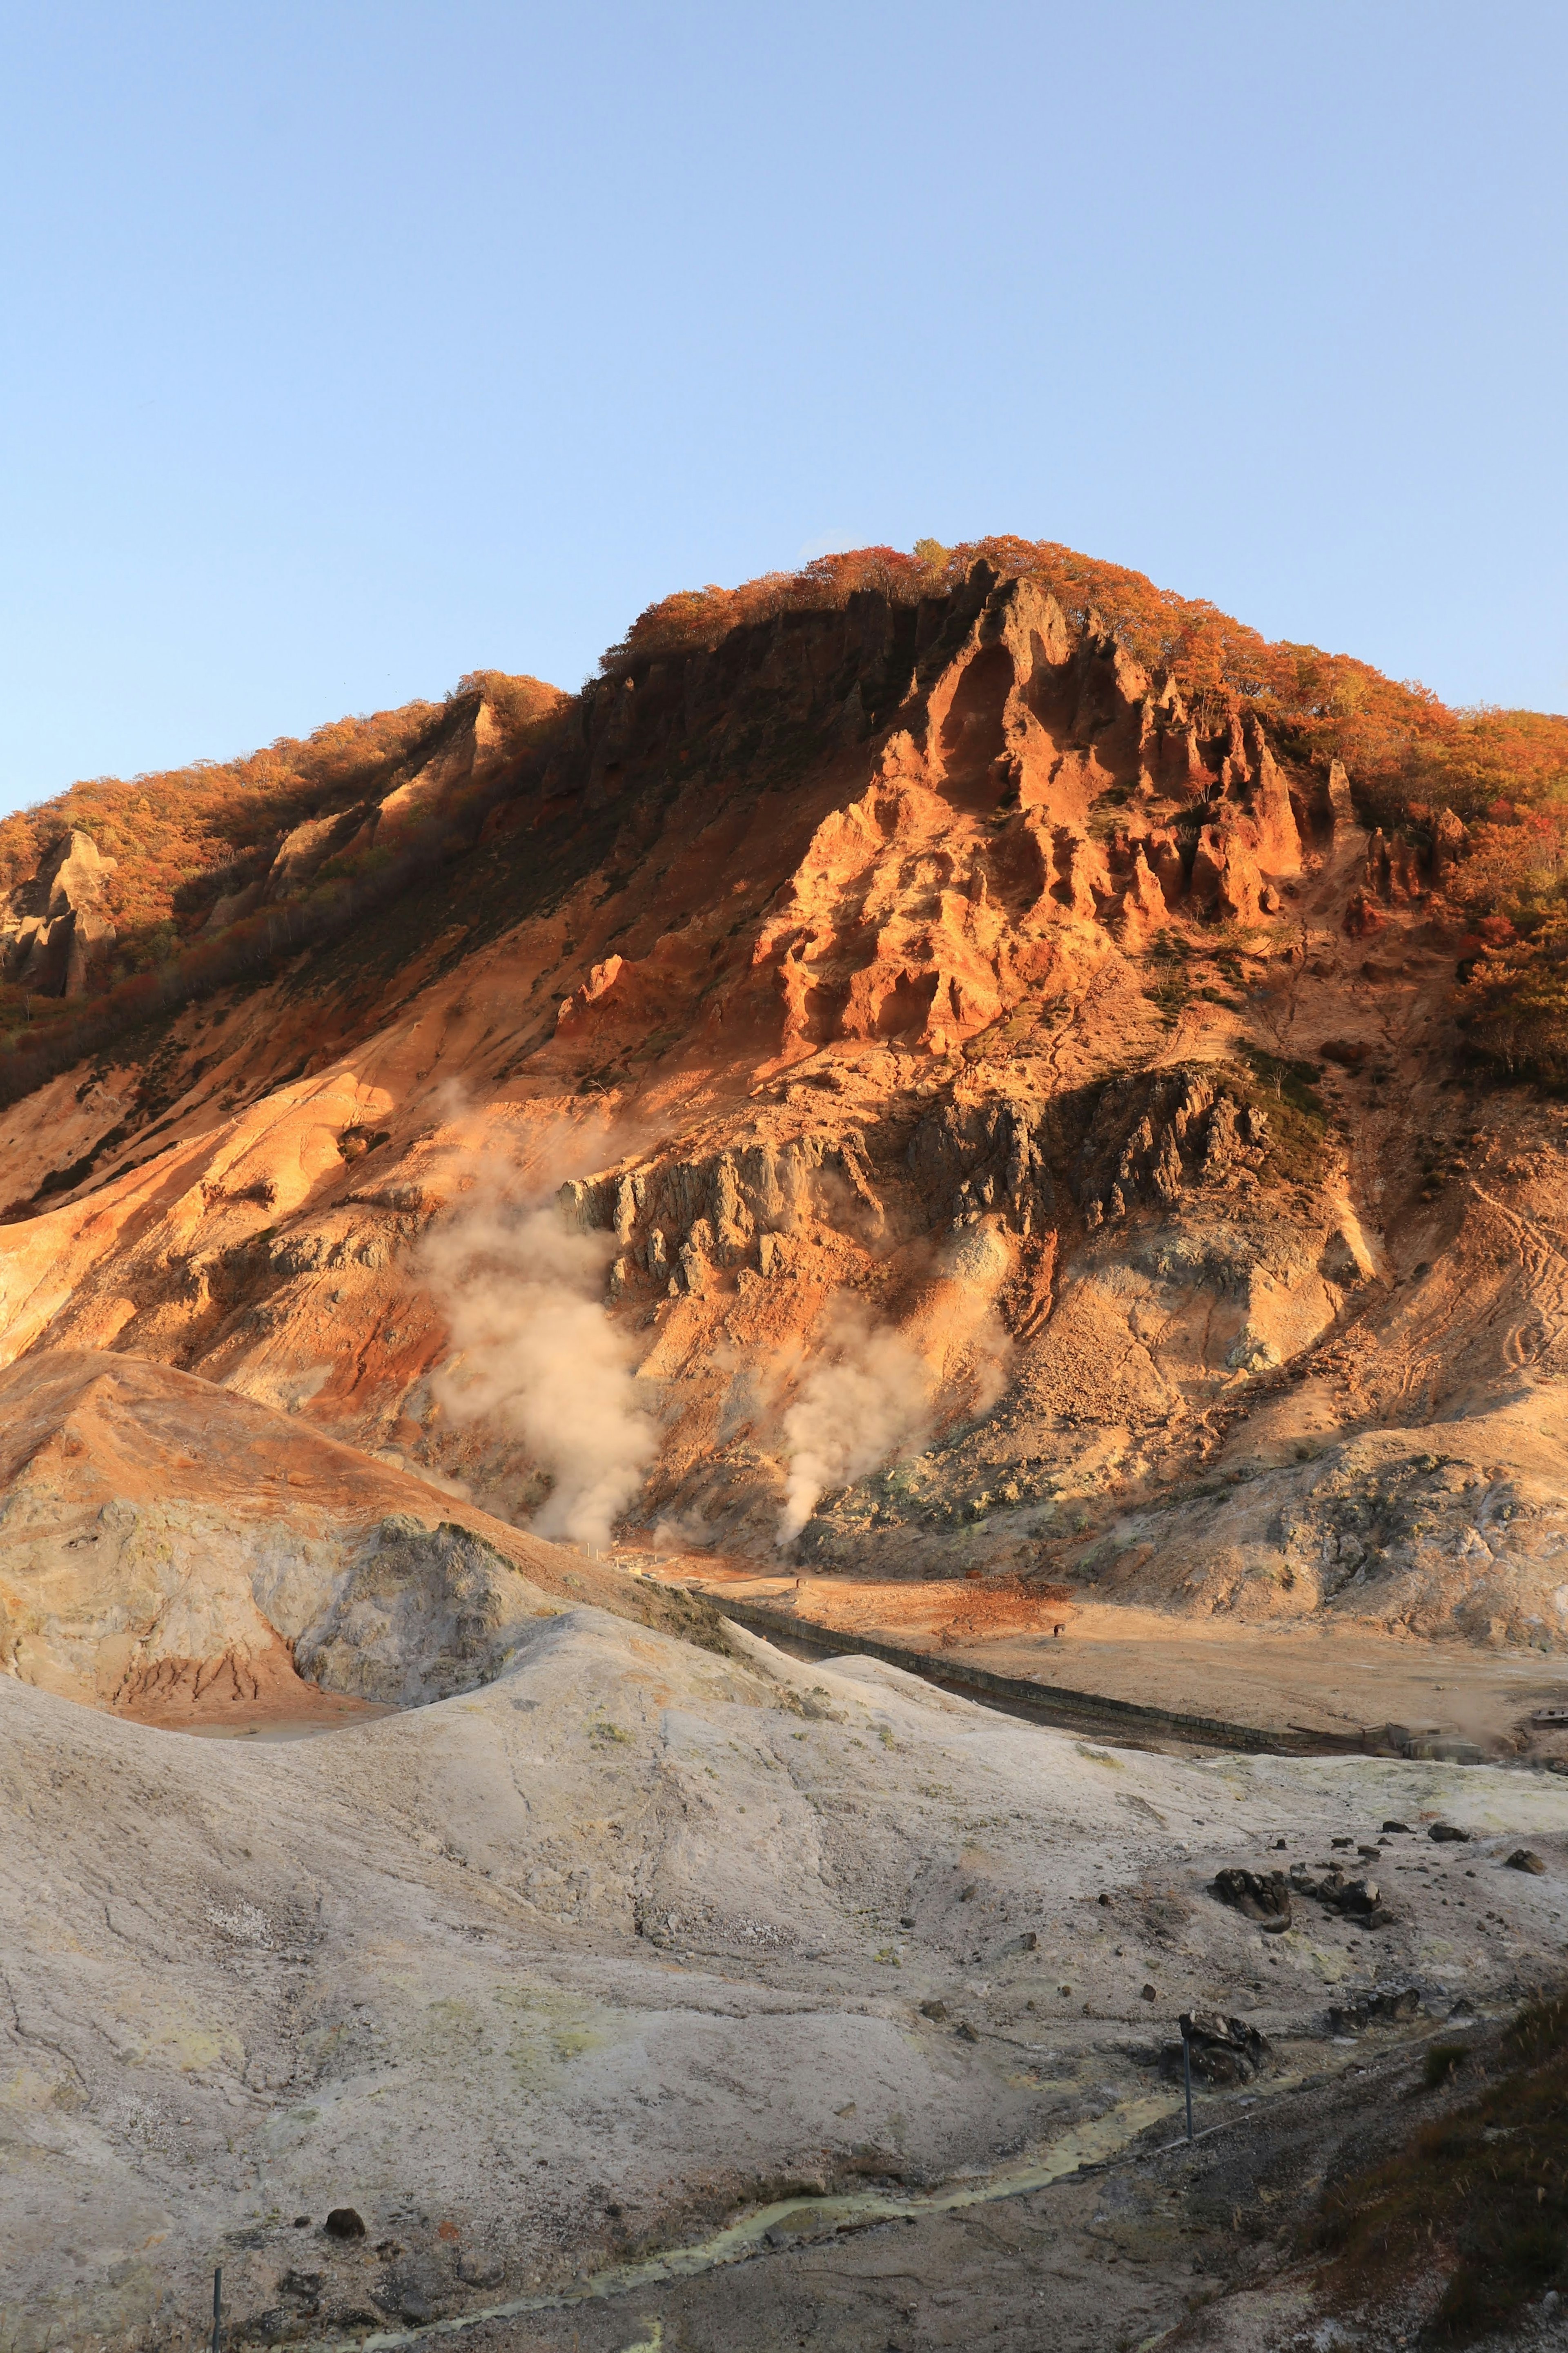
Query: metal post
[[1186, 2081], [217, 2310]]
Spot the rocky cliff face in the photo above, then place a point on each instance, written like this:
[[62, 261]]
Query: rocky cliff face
[[987, 1116], [55, 927]]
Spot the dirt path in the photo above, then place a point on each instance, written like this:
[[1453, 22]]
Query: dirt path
[[1333, 1680]]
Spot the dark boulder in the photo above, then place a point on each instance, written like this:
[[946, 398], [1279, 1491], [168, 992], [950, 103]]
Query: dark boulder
[[1389, 2008], [1261, 1895], [1358, 1899], [1223, 2050]]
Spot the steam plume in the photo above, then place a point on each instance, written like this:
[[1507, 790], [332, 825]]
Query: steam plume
[[535, 1349], [862, 1397]]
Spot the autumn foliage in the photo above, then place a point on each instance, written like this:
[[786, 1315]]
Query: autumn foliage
[[184, 838], [172, 830]]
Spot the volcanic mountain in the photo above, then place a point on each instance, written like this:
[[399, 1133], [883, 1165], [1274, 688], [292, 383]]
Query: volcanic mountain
[[956, 1102], [1002, 1103]]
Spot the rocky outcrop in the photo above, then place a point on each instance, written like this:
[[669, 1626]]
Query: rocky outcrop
[[1087, 780], [1161, 1134], [971, 1159], [1451, 844], [56, 932], [469, 750], [418, 1614], [678, 1222], [1402, 872], [1021, 778], [472, 750]]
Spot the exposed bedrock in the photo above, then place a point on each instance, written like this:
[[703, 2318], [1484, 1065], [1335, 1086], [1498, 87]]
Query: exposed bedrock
[[923, 1001], [1003, 775], [56, 930]]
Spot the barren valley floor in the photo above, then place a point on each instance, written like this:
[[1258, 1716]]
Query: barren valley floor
[[640, 1943]]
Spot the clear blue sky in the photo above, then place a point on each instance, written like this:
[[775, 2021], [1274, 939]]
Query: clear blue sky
[[347, 347]]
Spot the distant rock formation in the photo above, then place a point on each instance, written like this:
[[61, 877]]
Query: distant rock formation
[[1084, 793], [55, 927]]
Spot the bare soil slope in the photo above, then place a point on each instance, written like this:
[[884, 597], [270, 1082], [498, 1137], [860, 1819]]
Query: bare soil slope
[[1008, 1126]]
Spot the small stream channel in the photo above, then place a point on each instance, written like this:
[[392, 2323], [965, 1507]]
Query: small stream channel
[[799, 2221]]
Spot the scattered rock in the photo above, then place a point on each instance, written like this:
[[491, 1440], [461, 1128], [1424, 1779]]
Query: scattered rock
[[965, 2032], [342, 2222], [934, 2009], [1524, 1858], [1403, 1828], [1262, 1897], [1358, 1899], [481, 2271], [1149, 1994], [1389, 2008], [1223, 2050], [1447, 1834]]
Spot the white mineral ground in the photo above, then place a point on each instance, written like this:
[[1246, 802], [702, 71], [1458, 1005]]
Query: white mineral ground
[[589, 1961]]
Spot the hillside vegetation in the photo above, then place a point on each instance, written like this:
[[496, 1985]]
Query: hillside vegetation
[[184, 838], [1494, 781]]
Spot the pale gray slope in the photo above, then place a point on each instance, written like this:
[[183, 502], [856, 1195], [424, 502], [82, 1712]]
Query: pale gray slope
[[589, 1958]]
